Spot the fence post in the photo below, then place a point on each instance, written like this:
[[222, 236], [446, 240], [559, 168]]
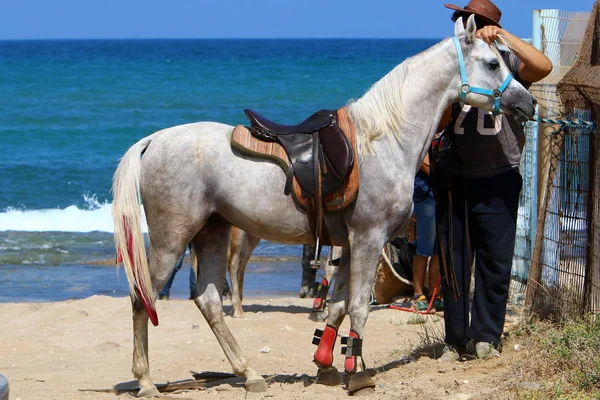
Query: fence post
[[536, 41], [591, 294], [535, 273]]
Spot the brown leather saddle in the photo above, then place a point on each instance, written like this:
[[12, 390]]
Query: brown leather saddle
[[320, 157]]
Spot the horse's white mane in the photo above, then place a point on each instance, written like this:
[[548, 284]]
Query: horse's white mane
[[380, 110]]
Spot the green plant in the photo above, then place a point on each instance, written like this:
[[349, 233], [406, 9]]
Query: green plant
[[566, 358]]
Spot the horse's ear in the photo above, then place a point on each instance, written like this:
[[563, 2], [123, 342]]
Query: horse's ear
[[471, 29], [459, 28]]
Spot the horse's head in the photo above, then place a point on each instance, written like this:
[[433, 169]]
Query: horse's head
[[486, 81]]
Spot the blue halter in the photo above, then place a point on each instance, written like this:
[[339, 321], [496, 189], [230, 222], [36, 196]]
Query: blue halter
[[465, 88]]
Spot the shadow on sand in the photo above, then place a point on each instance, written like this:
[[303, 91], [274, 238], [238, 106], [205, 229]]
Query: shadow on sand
[[254, 308], [210, 379]]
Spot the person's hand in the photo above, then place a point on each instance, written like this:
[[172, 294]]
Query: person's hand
[[489, 33]]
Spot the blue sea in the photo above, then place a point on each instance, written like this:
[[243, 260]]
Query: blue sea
[[70, 109]]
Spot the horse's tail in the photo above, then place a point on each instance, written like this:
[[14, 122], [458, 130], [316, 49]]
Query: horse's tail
[[129, 239]]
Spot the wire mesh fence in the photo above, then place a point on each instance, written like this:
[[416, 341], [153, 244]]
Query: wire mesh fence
[[560, 284], [561, 34]]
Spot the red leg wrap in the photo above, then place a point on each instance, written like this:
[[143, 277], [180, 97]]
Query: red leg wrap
[[350, 362], [319, 301], [324, 354]]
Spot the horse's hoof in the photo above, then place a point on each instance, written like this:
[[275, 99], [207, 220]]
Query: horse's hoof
[[255, 386], [148, 391], [239, 314], [329, 377], [361, 384], [318, 316]]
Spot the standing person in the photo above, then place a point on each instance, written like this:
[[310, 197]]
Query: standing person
[[478, 211], [165, 292], [424, 212]]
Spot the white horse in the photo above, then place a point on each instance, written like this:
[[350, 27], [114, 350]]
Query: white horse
[[194, 186]]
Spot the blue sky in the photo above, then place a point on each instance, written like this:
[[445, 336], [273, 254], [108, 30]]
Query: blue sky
[[82, 19]]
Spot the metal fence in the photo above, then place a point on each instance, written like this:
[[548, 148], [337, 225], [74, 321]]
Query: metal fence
[[556, 261], [559, 35], [561, 283]]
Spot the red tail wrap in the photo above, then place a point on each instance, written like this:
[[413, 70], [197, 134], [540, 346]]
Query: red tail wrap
[[129, 236], [324, 354], [149, 309], [147, 304], [350, 362]]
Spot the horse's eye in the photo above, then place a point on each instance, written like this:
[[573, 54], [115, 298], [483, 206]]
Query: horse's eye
[[494, 65]]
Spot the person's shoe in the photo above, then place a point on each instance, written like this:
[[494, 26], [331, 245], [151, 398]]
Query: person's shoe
[[451, 353], [163, 297], [420, 303], [485, 350], [438, 303]]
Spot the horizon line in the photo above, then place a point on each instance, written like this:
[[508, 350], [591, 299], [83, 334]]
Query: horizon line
[[221, 38]]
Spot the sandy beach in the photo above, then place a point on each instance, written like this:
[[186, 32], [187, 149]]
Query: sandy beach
[[53, 350]]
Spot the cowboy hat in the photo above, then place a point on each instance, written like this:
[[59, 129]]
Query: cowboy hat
[[484, 9]]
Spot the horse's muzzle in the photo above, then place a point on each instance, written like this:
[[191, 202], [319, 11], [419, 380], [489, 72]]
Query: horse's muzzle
[[524, 111]]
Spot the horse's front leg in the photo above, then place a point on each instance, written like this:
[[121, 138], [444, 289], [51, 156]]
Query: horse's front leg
[[241, 245], [308, 286], [328, 374], [365, 255], [236, 275], [330, 270]]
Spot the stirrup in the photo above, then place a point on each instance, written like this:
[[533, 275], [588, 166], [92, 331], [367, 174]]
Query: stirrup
[[315, 263]]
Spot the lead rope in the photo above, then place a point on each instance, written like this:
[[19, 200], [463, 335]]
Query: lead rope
[[452, 273], [317, 198], [449, 273], [436, 288], [467, 232]]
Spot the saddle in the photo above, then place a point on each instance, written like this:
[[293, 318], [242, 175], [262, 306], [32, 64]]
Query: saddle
[[320, 153], [319, 160]]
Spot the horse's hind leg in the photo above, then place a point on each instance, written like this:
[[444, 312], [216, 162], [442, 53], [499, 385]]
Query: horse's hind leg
[[161, 264], [211, 245], [141, 368]]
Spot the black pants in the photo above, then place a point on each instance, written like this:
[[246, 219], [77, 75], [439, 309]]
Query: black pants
[[490, 205]]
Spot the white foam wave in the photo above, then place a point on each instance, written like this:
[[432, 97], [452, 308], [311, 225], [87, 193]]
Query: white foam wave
[[69, 219]]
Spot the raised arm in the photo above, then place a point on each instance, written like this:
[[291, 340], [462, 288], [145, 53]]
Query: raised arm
[[535, 65]]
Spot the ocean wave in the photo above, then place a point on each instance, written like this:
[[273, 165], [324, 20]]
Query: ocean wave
[[69, 219], [91, 216]]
